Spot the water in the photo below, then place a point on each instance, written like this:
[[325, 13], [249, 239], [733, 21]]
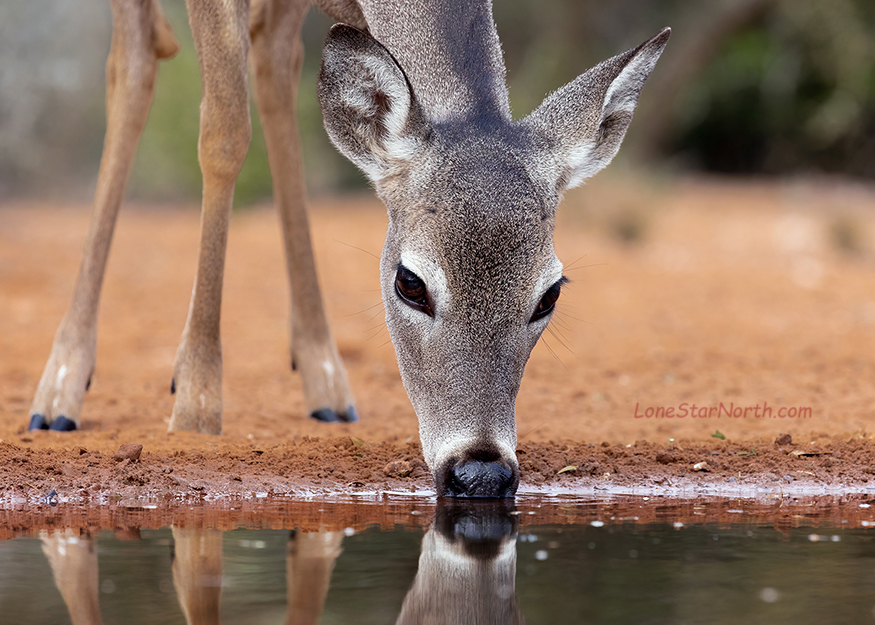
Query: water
[[456, 563]]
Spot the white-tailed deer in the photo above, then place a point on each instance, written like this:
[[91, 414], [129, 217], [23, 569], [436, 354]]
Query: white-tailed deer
[[467, 568], [197, 573], [466, 575], [413, 93]]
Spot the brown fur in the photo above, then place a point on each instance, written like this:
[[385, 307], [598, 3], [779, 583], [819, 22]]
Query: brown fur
[[222, 33]]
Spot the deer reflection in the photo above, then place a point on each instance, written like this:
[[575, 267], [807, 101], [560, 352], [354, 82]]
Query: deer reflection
[[73, 559], [197, 573], [310, 560], [466, 570], [467, 567]]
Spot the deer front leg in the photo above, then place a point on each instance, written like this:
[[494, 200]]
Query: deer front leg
[[197, 573], [277, 55], [73, 560], [141, 36], [222, 40], [310, 560]]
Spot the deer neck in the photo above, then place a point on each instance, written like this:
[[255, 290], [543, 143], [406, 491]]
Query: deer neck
[[451, 54]]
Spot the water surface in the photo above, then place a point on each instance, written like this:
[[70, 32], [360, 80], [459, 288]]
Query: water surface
[[462, 563]]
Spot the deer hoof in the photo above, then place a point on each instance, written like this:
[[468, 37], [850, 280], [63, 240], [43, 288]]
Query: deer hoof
[[38, 422], [62, 424], [327, 415], [350, 416]]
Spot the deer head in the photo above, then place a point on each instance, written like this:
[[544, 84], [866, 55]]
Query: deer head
[[468, 271]]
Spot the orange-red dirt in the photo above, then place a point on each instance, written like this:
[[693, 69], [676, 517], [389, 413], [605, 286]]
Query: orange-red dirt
[[684, 293]]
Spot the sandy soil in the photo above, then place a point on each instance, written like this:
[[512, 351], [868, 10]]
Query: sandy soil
[[688, 293]]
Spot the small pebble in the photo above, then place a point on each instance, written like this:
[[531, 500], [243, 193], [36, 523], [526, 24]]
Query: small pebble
[[128, 451], [398, 468]]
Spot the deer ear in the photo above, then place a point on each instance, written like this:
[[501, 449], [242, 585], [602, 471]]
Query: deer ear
[[584, 122], [368, 105]]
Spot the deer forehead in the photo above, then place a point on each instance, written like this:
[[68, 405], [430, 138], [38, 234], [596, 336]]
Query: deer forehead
[[472, 172], [480, 226]]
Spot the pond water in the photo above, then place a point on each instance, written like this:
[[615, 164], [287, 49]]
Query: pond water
[[460, 563]]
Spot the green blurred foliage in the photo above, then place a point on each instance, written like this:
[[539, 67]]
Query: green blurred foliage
[[778, 87], [792, 92], [167, 164]]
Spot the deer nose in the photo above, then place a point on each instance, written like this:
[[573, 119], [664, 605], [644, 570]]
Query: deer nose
[[478, 478]]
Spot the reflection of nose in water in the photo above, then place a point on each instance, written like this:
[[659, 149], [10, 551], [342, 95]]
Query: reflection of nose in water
[[467, 567]]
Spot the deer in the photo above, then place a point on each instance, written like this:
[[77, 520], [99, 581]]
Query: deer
[[196, 567], [467, 566], [466, 573], [414, 94]]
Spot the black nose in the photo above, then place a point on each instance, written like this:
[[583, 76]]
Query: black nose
[[478, 478]]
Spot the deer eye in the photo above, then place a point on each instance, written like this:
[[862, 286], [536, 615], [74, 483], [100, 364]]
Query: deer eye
[[548, 301], [411, 289]]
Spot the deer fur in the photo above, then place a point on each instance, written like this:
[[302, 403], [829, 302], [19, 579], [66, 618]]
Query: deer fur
[[466, 574], [419, 104], [414, 94]]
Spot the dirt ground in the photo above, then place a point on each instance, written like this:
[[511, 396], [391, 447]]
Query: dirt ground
[[683, 293]]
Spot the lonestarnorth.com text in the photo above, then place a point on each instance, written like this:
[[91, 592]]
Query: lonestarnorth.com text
[[722, 411]]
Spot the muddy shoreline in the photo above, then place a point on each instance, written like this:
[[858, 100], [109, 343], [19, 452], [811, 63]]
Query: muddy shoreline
[[43, 468]]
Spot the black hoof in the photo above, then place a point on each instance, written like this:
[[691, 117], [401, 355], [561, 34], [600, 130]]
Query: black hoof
[[350, 416], [173, 386], [326, 415], [62, 424], [38, 422]]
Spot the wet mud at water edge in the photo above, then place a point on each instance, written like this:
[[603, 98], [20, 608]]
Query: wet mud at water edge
[[733, 298], [412, 560]]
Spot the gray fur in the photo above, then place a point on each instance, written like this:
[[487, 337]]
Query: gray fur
[[450, 50], [471, 196]]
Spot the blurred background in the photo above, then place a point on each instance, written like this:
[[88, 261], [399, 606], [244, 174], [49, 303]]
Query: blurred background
[[746, 87]]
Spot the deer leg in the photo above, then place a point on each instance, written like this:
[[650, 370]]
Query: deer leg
[[277, 55], [141, 36], [197, 573], [221, 37], [310, 560], [73, 560]]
